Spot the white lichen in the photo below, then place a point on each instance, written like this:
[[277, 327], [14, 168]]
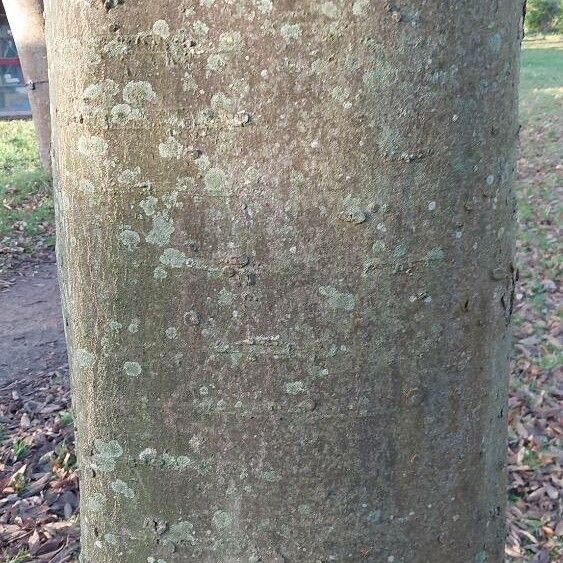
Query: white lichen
[[171, 148], [130, 239], [162, 229], [182, 532], [231, 41], [353, 210], [214, 181], [337, 300], [329, 9], [216, 62], [116, 47], [161, 28], [495, 43], [120, 487], [87, 186], [220, 101], [138, 93], [200, 28], [101, 91], [96, 502], [203, 163], [264, 6], [435, 255], [106, 455], [129, 176], [134, 325], [360, 7], [159, 273], [111, 539], [84, 358], [171, 333], [121, 114], [188, 83], [222, 520], [290, 32], [341, 95], [295, 387], [225, 298], [114, 326], [148, 205], [152, 458], [132, 369], [173, 258], [92, 146]]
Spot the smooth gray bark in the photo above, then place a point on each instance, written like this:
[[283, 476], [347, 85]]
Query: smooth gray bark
[[28, 29], [285, 243]]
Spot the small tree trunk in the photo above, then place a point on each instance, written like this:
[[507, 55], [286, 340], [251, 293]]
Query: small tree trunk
[[28, 29], [285, 241]]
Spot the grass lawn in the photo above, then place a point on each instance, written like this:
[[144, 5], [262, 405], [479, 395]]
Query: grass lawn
[[540, 166], [26, 206], [534, 458]]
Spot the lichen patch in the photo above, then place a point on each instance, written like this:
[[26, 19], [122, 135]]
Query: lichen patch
[[337, 300], [130, 239], [216, 62], [106, 455], [92, 146], [121, 488], [264, 6], [132, 369], [295, 387], [85, 358], [162, 229], [360, 7], [171, 148], [214, 180], [222, 520], [290, 32], [329, 9], [173, 258], [138, 93], [161, 29]]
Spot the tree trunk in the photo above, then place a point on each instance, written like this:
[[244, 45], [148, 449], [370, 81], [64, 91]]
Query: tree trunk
[[28, 29], [285, 243]]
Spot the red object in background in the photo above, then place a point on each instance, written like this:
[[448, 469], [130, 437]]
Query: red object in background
[[14, 103], [14, 61]]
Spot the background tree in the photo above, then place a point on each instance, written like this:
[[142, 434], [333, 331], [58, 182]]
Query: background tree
[[28, 29], [285, 242], [544, 16]]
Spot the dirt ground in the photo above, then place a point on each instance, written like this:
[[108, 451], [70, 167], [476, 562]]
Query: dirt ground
[[31, 326]]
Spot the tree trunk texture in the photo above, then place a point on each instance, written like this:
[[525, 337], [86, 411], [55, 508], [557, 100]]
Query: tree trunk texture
[[28, 29], [285, 244]]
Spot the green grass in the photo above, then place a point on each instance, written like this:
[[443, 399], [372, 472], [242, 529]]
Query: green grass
[[541, 108], [26, 199], [26, 205], [22, 556], [18, 149], [20, 449], [541, 84], [66, 418]]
